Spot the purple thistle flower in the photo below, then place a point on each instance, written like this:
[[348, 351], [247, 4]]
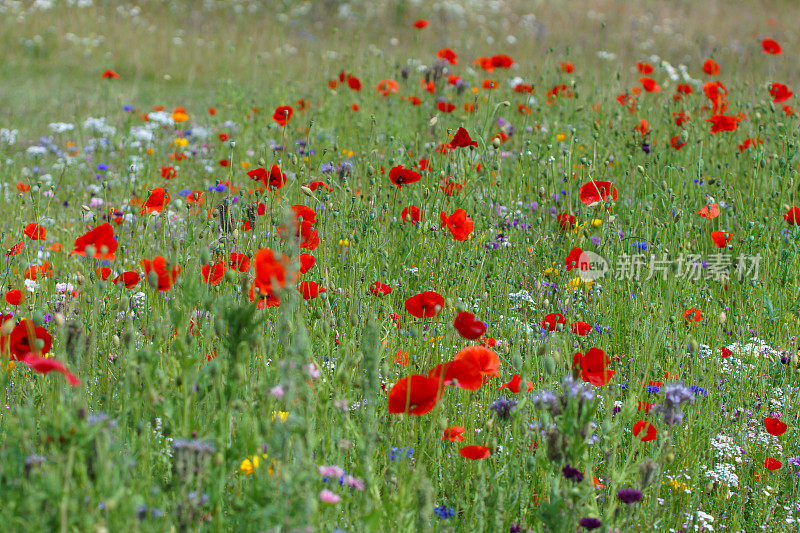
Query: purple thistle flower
[[629, 496]]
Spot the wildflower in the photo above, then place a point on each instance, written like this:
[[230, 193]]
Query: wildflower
[[475, 452], [503, 407], [629, 496], [444, 512], [590, 523], [328, 496], [572, 473]]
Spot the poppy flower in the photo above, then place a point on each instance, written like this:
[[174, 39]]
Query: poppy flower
[[380, 289], [468, 327], [282, 115], [683, 89], [425, 304], [387, 86], [581, 328], [676, 143], [754, 141], [401, 357], [316, 184], [593, 192], [25, 338], [461, 139], [514, 384], [775, 426], [165, 277], [725, 352], [130, 279], [17, 249], [693, 315], [649, 84], [681, 118], [448, 55], [101, 238], [307, 261], [772, 464], [35, 232], [354, 83], [594, 366], [475, 452], [168, 172], [277, 179], [716, 93], [565, 220], [452, 188], [421, 24], [573, 259], [523, 88], [487, 362], [156, 201], [462, 373], [644, 68], [709, 211], [645, 431], [792, 216], [239, 262], [453, 434], [445, 107], [35, 272], [567, 67], [721, 238], [411, 214], [310, 289], [489, 84], [551, 321], [43, 365], [403, 176], [213, 275], [270, 272], [103, 273], [414, 395], [109, 74], [779, 93], [723, 123], [14, 297], [710, 67], [770, 46], [459, 224]]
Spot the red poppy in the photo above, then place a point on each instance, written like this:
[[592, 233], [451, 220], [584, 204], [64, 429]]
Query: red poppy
[[101, 238], [103, 273], [594, 366], [354, 83], [772, 464], [581, 328], [779, 93], [514, 384], [451, 189], [168, 172], [165, 277], [270, 272], [156, 201], [461, 139], [754, 141], [129, 279], [14, 297], [775, 426], [414, 395], [716, 92], [448, 55], [459, 224], [792, 216], [644, 68], [645, 431], [310, 289], [709, 211], [676, 143], [593, 192], [710, 67], [16, 249], [445, 107], [387, 86], [644, 406], [489, 84], [725, 352], [693, 315], [213, 275], [35, 272], [25, 338], [723, 123], [721, 238], [425, 304], [551, 321], [401, 357], [42, 365], [684, 89], [307, 261], [315, 184], [650, 85], [461, 373], [109, 74], [523, 88], [468, 327], [240, 262], [573, 259], [681, 118], [565, 220], [282, 115], [380, 289], [35, 232], [277, 179], [421, 24], [567, 67], [487, 362], [403, 176], [411, 214], [769, 46], [475, 452], [309, 238], [453, 434]]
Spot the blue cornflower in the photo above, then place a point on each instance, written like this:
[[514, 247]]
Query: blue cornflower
[[653, 389], [102, 167], [184, 192], [624, 385], [444, 512], [127, 108]]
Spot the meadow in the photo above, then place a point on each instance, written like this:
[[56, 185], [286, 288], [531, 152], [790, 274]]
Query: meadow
[[417, 266]]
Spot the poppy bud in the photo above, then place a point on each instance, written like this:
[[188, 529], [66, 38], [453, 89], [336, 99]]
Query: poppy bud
[[8, 325], [541, 350], [516, 361], [38, 318], [59, 320], [152, 279], [670, 457], [549, 365], [693, 345], [722, 317]]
